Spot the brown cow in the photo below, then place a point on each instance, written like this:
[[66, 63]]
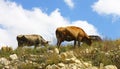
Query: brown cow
[[70, 33], [30, 40]]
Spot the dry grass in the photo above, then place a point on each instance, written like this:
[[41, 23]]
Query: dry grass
[[106, 52]]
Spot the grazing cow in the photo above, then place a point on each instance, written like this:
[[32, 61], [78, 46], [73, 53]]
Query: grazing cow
[[30, 40], [70, 33], [95, 38]]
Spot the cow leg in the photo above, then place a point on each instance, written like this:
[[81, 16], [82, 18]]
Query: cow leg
[[20, 45], [36, 45], [58, 43], [79, 40], [74, 43]]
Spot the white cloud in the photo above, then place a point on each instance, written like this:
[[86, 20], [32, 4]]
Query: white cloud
[[16, 20], [107, 7], [88, 28], [69, 3]]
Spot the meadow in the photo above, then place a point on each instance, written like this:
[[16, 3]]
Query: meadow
[[106, 52]]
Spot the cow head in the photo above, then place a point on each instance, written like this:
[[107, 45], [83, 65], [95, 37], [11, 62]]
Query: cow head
[[45, 43], [87, 40]]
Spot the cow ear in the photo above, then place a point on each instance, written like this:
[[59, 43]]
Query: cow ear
[[48, 41], [88, 37], [23, 36]]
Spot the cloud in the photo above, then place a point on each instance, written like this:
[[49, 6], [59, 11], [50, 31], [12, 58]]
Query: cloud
[[88, 28], [107, 7], [16, 20], [69, 3]]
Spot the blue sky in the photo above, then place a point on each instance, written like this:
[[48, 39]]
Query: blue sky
[[96, 17], [82, 10]]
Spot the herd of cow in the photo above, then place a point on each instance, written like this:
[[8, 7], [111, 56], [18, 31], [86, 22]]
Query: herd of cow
[[69, 33]]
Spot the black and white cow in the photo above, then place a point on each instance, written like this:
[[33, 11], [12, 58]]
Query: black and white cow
[[31, 40]]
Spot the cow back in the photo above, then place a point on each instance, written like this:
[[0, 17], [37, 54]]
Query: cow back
[[76, 31], [30, 40]]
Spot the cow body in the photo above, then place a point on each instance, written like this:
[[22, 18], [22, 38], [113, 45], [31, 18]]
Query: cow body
[[71, 33], [30, 40]]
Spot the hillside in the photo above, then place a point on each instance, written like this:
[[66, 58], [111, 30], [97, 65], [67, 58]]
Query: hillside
[[101, 55]]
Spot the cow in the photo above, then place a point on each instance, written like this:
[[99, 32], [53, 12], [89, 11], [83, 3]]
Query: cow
[[30, 40], [71, 33], [95, 38]]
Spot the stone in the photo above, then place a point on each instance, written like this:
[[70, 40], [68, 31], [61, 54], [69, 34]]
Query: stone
[[87, 64], [4, 61], [50, 51], [110, 67], [70, 54], [72, 66], [14, 57], [56, 51], [77, 61], [67, 55], [52, 67], [28, 61], [55, 66], [87, 50], [61, 65], [119, 47], [101, 65], [6, 67], [48, 67], [63, 56], [92, 67], [72, 60]]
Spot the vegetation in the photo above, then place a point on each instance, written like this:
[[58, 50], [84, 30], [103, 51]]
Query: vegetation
[[106, 52]]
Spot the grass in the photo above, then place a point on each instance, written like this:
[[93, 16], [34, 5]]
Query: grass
[[106, 52]]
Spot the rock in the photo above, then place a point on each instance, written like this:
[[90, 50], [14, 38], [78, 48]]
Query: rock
[[87, 65], [61, 65], [6, 67], [101, 65], [92, 67], [33, 56], [52, 67], [28, 61], [14, 57], [87, 50], [77, 61], [50, 51], [55, 66], [70, 54], [119, 47], [49, 67], [41, 56], [110, 67], [72, 60], [63, 56], [72, 66], [4, 61], [67, 55], [56, 51]]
